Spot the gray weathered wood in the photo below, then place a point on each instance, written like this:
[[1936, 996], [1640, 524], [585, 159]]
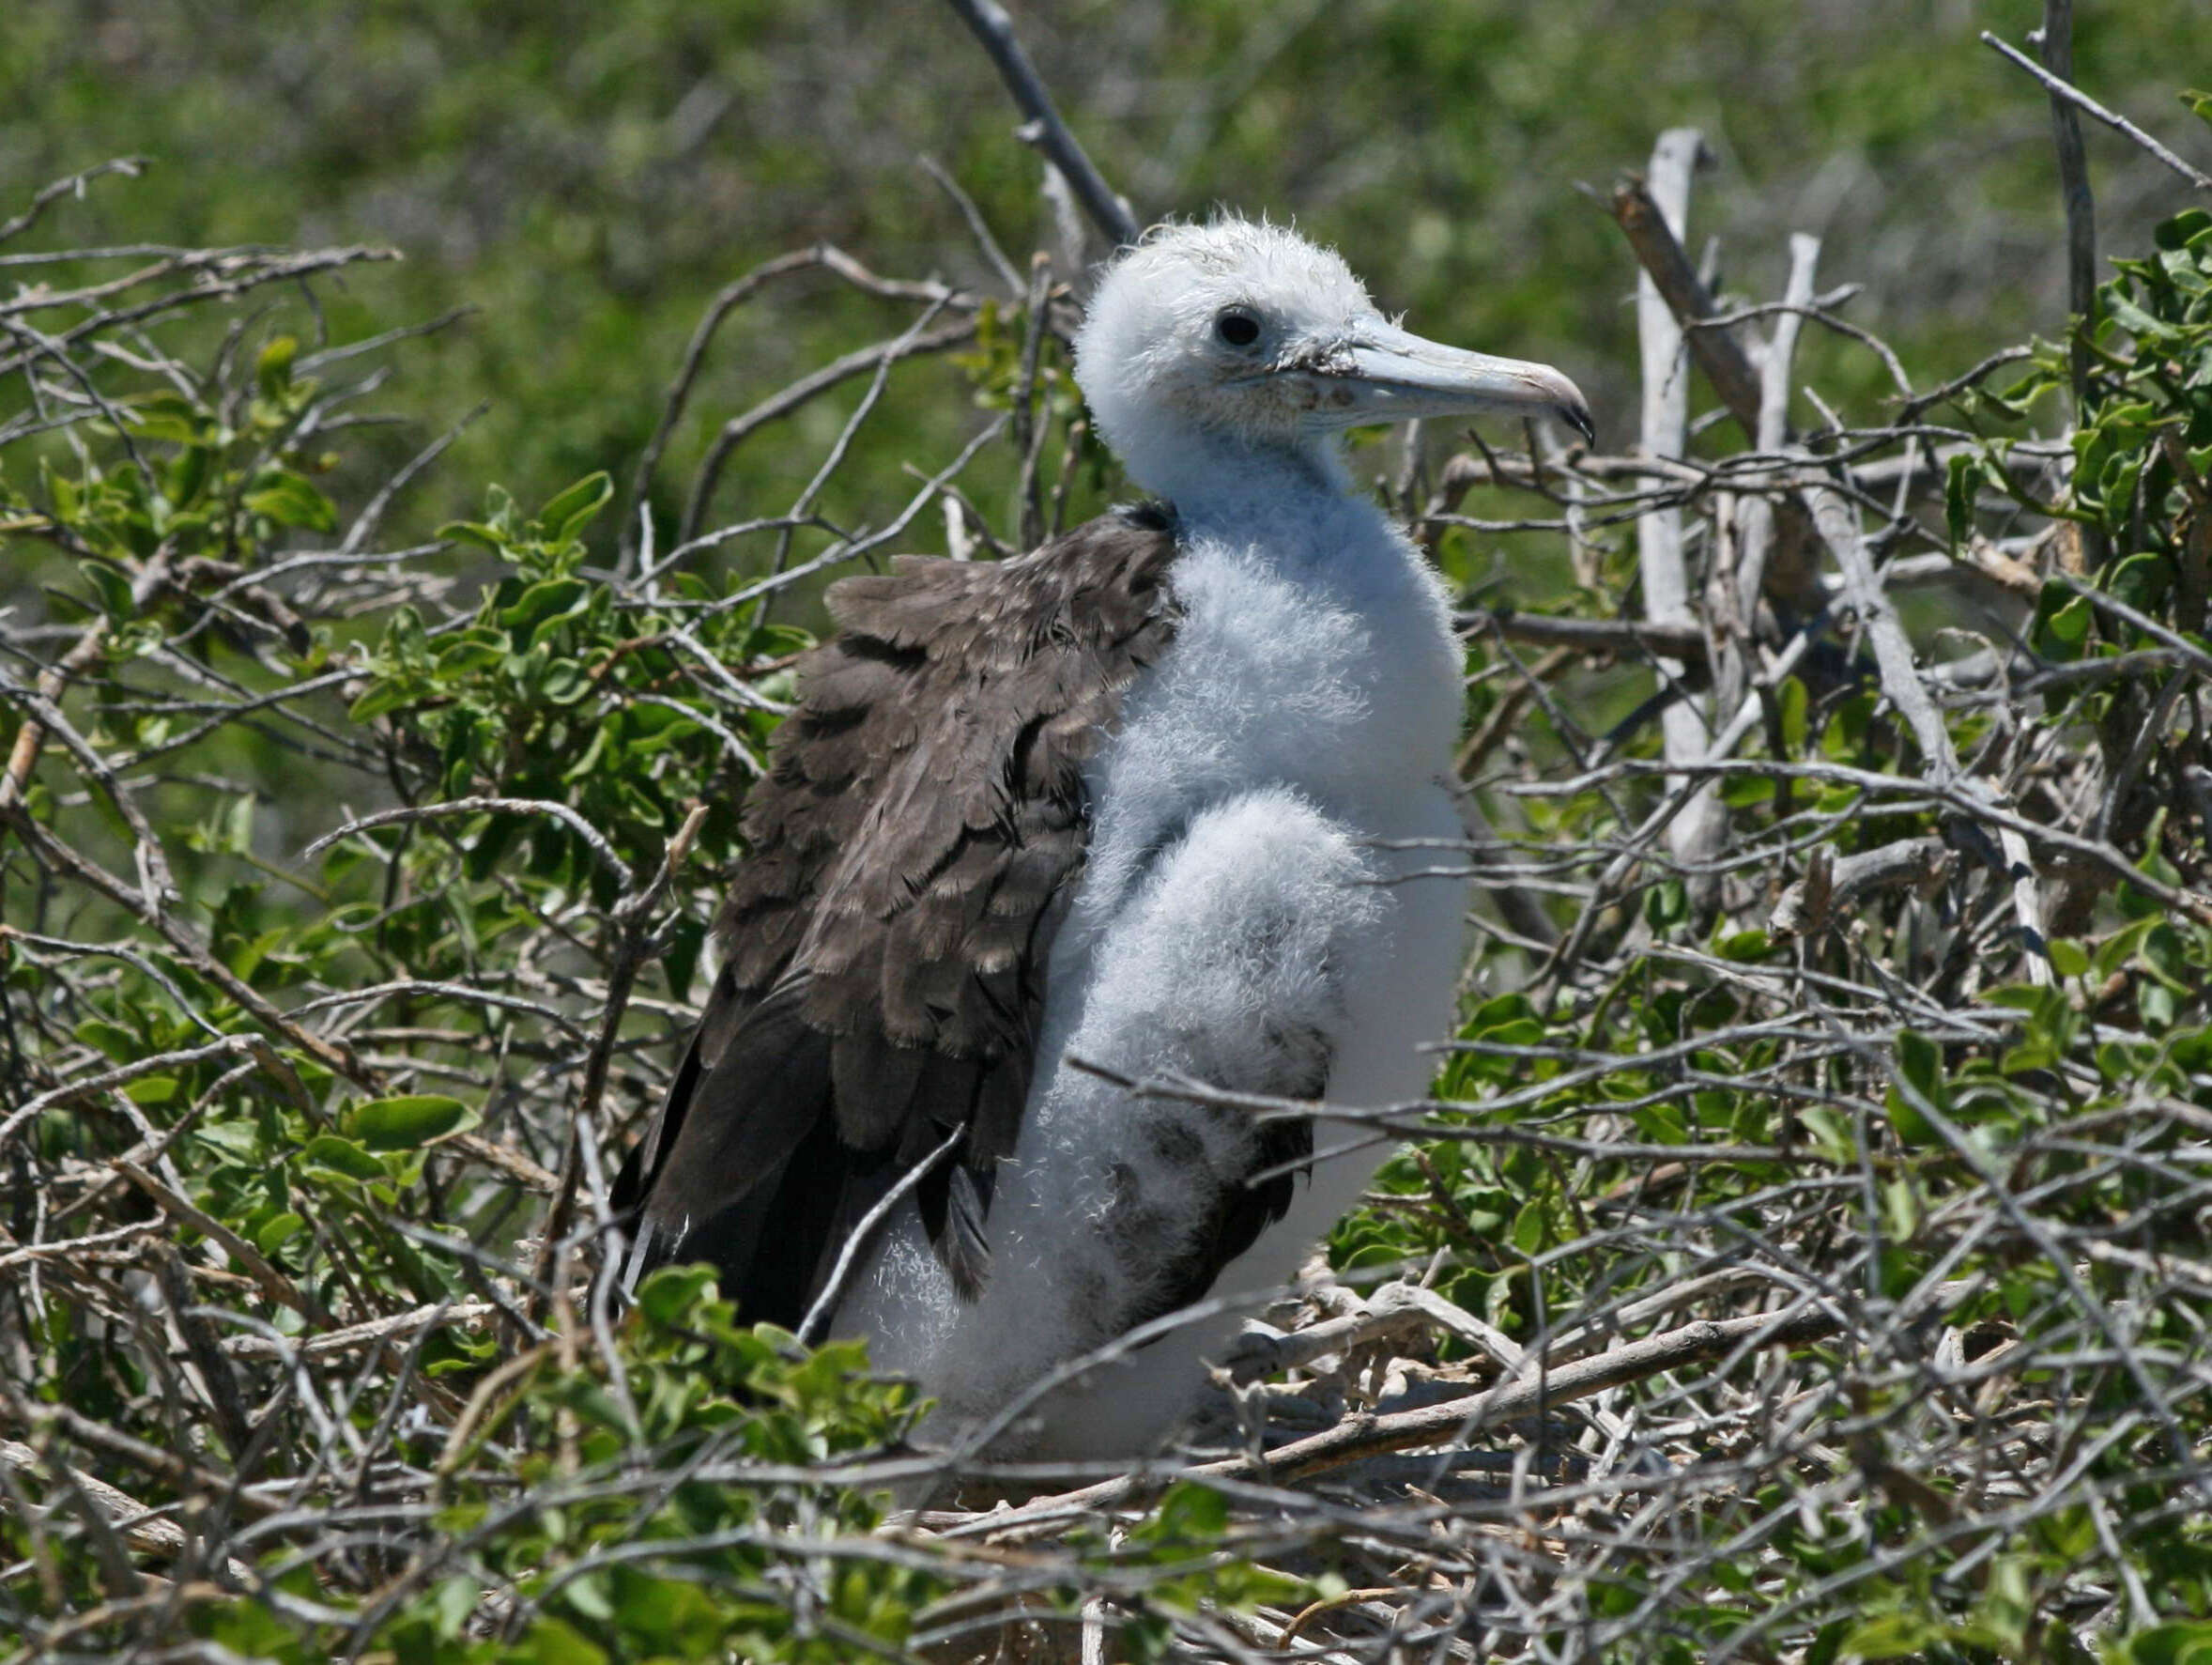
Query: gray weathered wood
[[1695, 834]]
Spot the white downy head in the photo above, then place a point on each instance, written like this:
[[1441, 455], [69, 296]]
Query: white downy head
[[1238, 344]]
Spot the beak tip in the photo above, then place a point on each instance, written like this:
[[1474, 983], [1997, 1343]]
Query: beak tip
[[1571, 407]]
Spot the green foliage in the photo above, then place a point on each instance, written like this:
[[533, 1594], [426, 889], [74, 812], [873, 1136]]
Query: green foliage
[[636, 1506], [585, 179], [604, 1511], [308, 1096], [2145, 446], [1888, 1112], [552, 693], [288, 1115]]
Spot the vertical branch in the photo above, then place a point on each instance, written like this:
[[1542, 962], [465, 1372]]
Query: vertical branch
[[2054, 43], [633, 942], [1033, 416], [1757, 524], [1727, 626], [1697, 831]]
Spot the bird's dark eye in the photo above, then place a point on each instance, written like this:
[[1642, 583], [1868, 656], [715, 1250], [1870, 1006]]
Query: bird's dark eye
[[1238, 328]]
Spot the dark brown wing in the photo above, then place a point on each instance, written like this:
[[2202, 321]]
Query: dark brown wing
[[913, 848]]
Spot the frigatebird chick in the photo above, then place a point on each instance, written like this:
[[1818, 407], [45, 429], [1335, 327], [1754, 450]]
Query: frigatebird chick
[[1160, 798]]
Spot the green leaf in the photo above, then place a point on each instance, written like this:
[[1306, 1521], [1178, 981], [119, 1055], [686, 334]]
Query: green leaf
[[1958, 494], [1667, 903], [2070, 623], [2140, 580], [166, 416], [2062, 621], [475, 532], [2184, 1643], [1528, 1233], [475, 650], [1796, 704], [573, 509], [62, 491], [454, 1600], [668, 1293], [288, 500], [119, 1043], [1743, 946], [1920, 1061], [1902, 1209], [272, 371], [115, 588], [237, 833], [345, 1158], [544, 603], [1893, 1635], [2185, 228], [590, 1594], [239, 1140], [411, 1119], [2155, 1005], [1189, 1510], [378, 699], [680, 960], [2122, 945], [552, 1642], [2128, 315], [565, 682]]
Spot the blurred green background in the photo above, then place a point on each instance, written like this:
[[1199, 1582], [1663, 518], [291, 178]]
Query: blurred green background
[[586, 177]]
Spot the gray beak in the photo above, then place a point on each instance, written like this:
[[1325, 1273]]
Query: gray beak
[[1385, 374]]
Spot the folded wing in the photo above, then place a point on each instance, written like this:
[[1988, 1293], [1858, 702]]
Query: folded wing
[[912, 850]]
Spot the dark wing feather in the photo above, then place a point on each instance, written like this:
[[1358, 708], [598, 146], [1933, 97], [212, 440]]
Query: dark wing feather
[[913, 847]]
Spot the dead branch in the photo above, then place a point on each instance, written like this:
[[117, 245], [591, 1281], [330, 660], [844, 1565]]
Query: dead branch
[[2061, 89], [1043, 126]]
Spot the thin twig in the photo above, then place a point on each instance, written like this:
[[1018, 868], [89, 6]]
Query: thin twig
[[2061, 88]]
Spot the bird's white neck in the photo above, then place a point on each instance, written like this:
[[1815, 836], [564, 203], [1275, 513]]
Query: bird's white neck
[[1221, 480]]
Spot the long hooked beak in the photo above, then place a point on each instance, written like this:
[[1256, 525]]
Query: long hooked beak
[[1385, 374]]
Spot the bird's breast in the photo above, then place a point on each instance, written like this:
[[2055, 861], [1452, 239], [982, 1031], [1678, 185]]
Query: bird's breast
[[1329, 669]]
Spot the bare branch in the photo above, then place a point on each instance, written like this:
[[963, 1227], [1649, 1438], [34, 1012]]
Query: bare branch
[[1043, 126], [2061, 89]]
